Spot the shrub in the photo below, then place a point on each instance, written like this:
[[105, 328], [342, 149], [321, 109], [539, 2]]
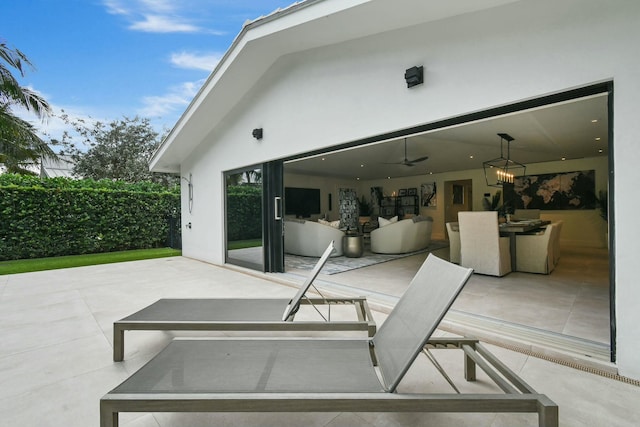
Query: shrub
[[244, 212], [60, 216]]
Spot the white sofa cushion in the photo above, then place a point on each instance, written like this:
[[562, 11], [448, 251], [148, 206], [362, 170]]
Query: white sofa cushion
[[403, 236], [308, 238]]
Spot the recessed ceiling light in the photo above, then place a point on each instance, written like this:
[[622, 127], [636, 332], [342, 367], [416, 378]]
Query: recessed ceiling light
[[594, 121], [388, 177], [600, 150], [598, 139], [358, 179], [430, 173], [471, 157], [361, 166], [564, 158], [323, 159]]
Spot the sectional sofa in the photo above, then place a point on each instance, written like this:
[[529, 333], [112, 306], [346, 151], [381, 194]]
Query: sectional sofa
[[309, 238], [403, 236]]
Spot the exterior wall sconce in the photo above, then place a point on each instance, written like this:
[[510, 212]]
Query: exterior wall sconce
[[257, 133], [414, 76]]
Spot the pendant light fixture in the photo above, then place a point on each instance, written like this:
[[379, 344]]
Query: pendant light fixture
[[503, 170]]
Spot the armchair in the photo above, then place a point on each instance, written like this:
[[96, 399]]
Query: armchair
[[404, 236], [453, 230], [534, 252], [556, 241]]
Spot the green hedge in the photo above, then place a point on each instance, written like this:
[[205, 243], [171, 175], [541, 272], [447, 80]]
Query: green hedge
[[59, 216], [244, 212]]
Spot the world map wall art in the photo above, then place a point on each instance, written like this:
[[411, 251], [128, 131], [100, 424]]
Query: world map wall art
[[555, 191]]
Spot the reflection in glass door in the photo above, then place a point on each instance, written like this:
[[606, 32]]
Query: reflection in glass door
[[244, 218], [254, 217]]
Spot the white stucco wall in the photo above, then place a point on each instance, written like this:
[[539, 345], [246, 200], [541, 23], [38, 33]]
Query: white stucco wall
[[355, 89]]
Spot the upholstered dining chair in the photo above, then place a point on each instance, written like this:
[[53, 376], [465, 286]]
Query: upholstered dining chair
[[556, 241], [534, 252], [453, 231], [481, 246]]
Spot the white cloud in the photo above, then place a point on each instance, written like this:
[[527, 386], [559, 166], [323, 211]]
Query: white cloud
[[194, 61], [114, 7], [177, 98], [155, 16], [163, 24]]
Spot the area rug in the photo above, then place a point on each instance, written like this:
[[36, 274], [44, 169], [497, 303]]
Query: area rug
[[341, 264]]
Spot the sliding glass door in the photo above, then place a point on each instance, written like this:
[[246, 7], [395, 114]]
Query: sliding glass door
[[253, 221]]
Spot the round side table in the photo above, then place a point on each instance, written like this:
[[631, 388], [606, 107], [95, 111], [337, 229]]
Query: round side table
[[353, 245]]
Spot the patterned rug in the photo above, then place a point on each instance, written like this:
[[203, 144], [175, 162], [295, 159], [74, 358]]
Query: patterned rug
[[341, 264]]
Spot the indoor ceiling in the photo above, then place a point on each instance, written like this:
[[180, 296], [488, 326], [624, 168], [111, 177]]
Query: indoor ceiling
[[568, 130]]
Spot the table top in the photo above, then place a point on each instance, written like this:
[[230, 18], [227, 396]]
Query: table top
[[522, 226]]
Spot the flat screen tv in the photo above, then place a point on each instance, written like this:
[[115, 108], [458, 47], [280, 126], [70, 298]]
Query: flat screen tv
[[301, 202]]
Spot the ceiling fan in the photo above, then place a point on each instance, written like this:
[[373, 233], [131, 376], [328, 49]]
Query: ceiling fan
[[406, 161]]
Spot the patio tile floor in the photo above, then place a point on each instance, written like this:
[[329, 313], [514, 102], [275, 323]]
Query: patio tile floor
[[55, 357]]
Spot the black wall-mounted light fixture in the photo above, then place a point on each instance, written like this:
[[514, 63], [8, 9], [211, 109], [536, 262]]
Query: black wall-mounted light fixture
[[414, 76], [257, 133]]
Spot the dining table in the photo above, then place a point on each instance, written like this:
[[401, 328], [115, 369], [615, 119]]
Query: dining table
[[513, 228]]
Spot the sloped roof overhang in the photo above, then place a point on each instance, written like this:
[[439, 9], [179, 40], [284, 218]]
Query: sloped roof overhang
[[302, 26]]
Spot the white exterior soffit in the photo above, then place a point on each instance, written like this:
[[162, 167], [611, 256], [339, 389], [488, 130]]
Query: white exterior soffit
[[299, 27]]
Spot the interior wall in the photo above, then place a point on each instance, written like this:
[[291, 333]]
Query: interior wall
[[581, 228]]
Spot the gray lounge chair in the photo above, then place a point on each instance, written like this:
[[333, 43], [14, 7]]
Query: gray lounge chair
[[326, 374], [241, 314]]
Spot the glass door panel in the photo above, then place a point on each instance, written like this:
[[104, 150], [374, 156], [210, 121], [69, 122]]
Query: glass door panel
[[244, 218], [253, 221]]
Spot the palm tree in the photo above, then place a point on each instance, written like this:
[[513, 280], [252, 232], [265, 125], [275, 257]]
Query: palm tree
[[19, 142]]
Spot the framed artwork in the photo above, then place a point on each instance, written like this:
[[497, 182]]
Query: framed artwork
[[412, 192], [554, 191], [376, 197], [428, 195], [458, 194], [402, 192]]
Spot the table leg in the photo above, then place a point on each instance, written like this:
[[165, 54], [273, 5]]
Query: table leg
[[512, 250]]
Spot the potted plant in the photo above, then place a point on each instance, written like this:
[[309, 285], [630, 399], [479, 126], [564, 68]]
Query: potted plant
[[494, 205], [602, 203], [364, 207], [364, 212]]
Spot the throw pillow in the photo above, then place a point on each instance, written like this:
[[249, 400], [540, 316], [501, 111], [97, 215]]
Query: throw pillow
[[383, 221], [334, 224]]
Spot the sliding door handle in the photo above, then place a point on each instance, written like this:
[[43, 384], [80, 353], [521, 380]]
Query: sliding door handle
[[277, 213]]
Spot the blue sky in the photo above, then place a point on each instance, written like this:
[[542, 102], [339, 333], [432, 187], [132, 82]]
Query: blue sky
[[106, 59]]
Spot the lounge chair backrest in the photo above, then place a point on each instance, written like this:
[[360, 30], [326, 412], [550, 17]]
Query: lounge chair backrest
[[416, 316], [294, 304]]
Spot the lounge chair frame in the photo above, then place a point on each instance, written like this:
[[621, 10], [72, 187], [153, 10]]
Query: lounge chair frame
[[517, 396], [243, 314], [284, 374], [364, 321]]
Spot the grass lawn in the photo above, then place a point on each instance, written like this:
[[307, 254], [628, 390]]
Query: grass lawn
[[241, 244], [40, 264]]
